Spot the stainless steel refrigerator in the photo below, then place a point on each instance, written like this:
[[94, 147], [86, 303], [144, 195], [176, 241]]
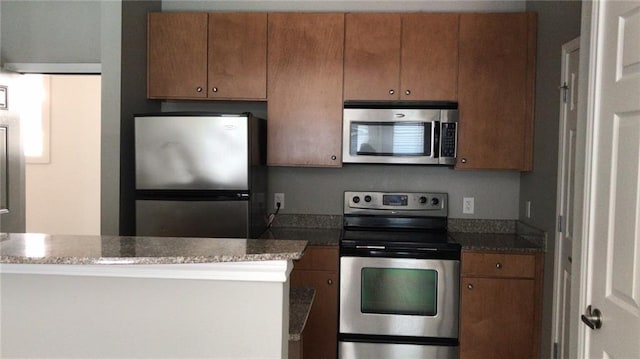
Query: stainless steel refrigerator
[[200, 175]]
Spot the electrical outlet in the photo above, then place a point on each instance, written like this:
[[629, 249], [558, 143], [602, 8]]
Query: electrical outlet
[[467, 205], [278, 198], [528, 209]]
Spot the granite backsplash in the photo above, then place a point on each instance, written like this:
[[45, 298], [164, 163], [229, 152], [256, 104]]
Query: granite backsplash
[[331, 224], [454, 224]]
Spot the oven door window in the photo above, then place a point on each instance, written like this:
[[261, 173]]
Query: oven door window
[[391, 138], [399, 291]]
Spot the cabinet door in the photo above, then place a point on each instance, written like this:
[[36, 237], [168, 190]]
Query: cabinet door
[[305, 60], [497, 318], [238, 56], [429, 69], [372, 57], [320, 336], [495, 91], [177, 55]]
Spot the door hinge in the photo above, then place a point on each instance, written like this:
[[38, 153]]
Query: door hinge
[[560, 223], [565, 90]]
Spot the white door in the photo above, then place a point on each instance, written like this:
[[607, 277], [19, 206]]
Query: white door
[[564, 206], [611, 256]]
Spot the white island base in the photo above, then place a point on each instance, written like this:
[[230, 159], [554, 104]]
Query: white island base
[[204, 310]]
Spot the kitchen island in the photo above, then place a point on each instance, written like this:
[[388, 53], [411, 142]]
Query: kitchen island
[[144, 297]]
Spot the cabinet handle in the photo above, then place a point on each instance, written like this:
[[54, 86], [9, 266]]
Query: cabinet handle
[[215, 89], [199, 89], [333, 157], [464, 160], [407, 92], [498, 265], [329, 281], [470, 286], [392, 91]]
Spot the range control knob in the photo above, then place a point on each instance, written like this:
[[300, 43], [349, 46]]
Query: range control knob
[[435, 201], [367, 198], [423, 199], [356, 199]]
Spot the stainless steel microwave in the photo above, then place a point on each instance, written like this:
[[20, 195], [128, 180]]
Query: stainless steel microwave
[[407, 134]]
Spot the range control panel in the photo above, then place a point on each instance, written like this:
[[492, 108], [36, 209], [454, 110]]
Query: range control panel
[[384, 203]]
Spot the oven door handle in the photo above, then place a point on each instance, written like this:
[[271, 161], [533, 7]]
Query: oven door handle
[[371, 247]]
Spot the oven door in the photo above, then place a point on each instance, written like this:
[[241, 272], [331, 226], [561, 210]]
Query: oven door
[[399, 296]]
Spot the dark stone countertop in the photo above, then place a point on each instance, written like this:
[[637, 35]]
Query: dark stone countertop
[[501, 242], [506, 242], [300, 301], [313, 236]]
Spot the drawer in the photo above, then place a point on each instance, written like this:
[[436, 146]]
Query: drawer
[[498, 265], [318, 258]]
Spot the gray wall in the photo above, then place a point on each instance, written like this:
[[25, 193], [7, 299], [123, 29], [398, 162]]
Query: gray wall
[[50, 31], [558, 23], [319, 190], [124, 68]]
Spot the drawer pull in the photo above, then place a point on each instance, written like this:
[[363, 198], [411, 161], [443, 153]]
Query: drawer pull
[[470, 286], [330, 281], [498, 265]]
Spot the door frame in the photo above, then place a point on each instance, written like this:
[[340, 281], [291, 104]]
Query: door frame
[[580, 284], [557, 315]]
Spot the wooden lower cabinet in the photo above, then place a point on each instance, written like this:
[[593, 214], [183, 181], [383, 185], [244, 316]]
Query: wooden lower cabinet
[[318, 268], [500, 305]]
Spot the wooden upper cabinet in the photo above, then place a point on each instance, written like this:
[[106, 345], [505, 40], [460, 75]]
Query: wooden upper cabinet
[[177, 55], [372, 56], [238, 56], [305, 59], [429, 69], [496, 91], [401, 57], [200, 55]]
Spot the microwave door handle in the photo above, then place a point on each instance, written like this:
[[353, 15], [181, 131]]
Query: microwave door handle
[[435, 139]]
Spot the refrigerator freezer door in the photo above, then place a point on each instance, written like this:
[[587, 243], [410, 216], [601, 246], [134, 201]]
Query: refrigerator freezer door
[[191, 152], [222, 219]]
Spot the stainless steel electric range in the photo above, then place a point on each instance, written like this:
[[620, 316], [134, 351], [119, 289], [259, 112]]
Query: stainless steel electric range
[[399, 277]]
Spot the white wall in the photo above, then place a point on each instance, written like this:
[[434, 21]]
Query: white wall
[[63, 196], [57, 316]]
